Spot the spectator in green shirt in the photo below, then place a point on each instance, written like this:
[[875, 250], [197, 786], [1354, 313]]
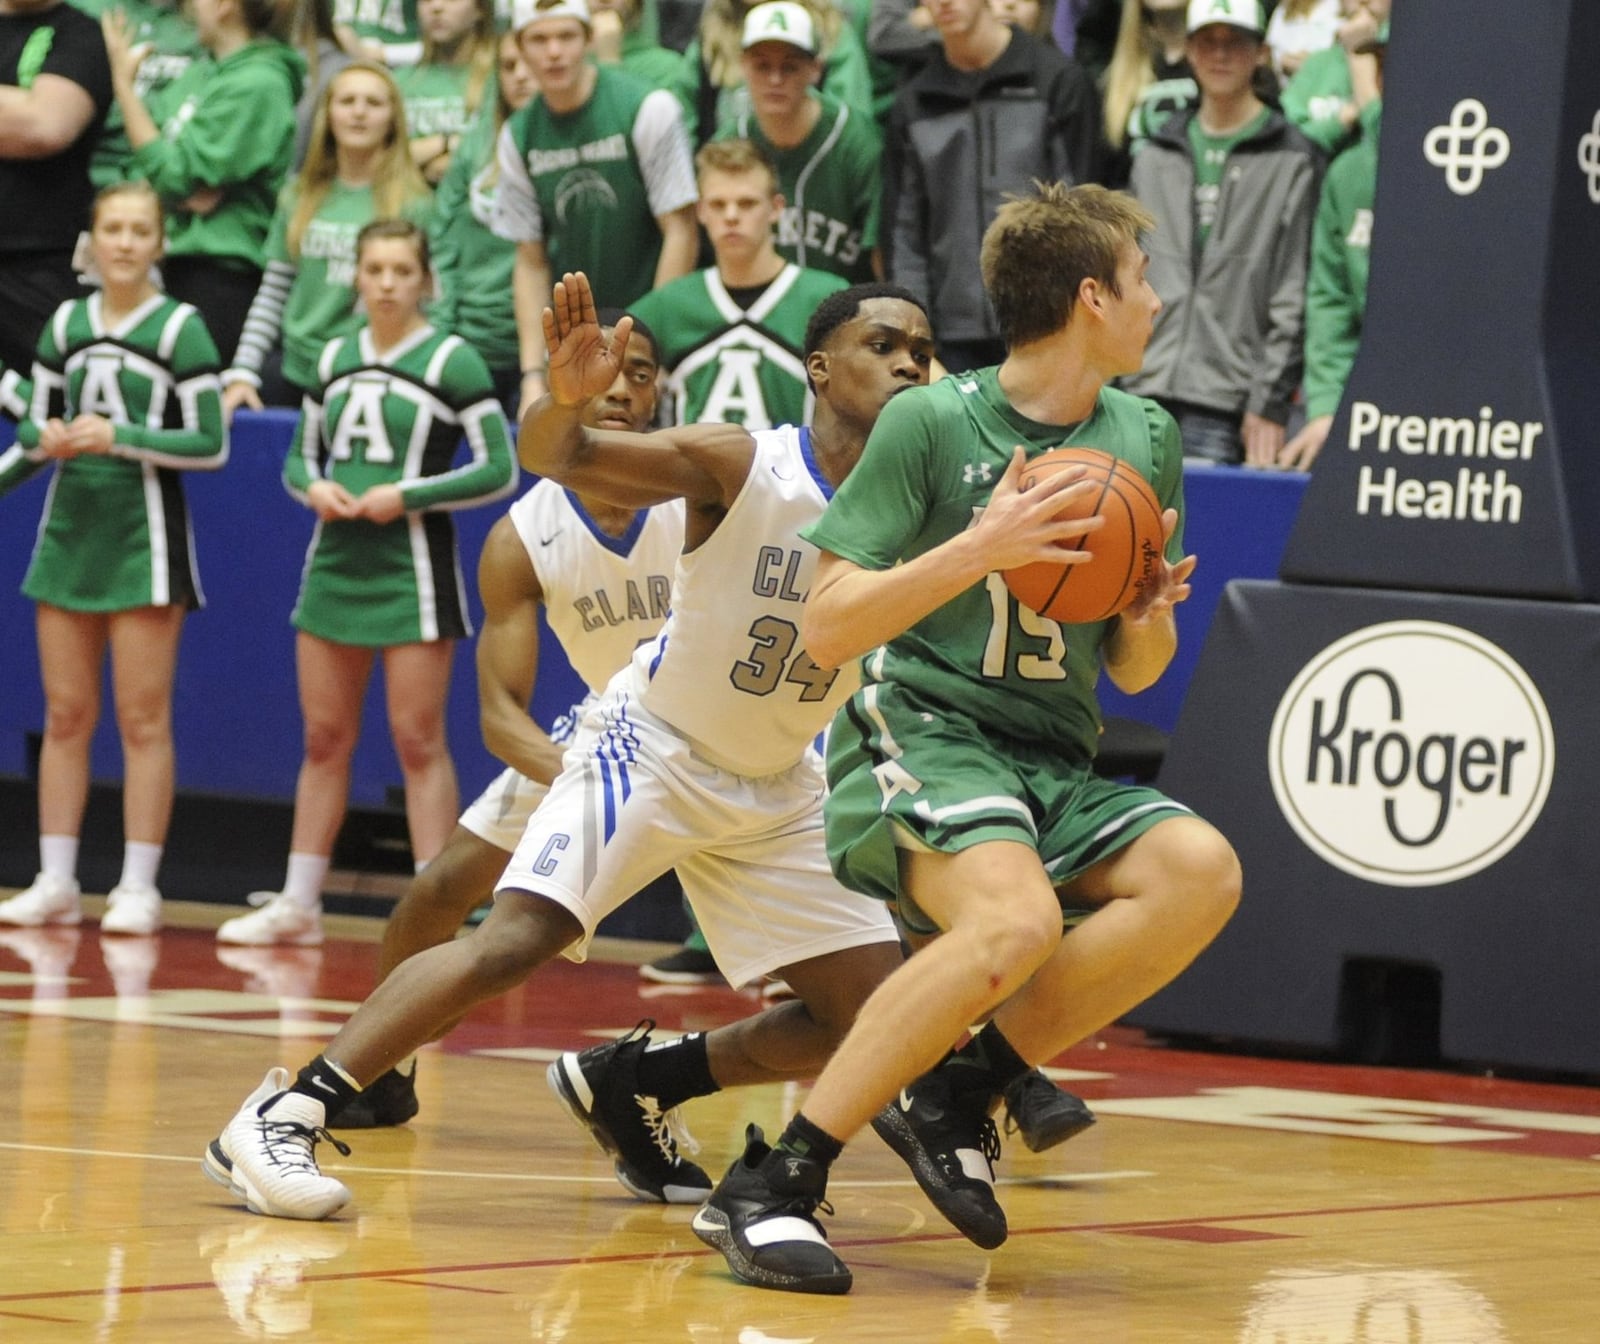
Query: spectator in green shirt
[[357, 169], [446, 88]]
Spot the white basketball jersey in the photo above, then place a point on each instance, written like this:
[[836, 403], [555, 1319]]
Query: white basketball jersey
[[727, 671], [603, 596]]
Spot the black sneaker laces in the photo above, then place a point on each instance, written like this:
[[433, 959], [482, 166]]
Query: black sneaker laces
[[292, 1145]]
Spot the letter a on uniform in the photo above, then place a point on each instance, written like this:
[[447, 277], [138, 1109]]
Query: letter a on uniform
[[101, 394], [361, 424]]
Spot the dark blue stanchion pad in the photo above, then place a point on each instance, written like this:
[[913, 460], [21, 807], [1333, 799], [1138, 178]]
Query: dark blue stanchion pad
[[1405, 761], [1465, 456], [1407, 778]]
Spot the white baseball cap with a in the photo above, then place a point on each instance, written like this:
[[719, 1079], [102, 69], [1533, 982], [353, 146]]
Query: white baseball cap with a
[[1245, 14], [524, 12], [781, 21]]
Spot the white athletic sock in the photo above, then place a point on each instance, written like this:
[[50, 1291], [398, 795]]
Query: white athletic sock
[[140, 860], [307, 872], [58, 856]]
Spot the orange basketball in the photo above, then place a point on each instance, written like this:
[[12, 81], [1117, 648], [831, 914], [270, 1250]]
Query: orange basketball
[[1126, 550]]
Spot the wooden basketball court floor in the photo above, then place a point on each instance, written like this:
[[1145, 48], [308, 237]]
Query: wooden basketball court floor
[[1218, 1199]]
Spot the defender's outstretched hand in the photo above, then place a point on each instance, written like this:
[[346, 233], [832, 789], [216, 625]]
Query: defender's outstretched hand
[[583, 363]]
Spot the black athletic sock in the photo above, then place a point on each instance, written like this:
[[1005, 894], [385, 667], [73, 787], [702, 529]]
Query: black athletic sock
[[674, 1071], [801, 1138], [993, 1053], [326, 1082]]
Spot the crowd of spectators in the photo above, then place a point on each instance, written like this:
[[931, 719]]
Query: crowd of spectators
[[552, 136]]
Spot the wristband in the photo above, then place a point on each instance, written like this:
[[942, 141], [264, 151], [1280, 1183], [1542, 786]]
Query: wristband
[[540, 369]]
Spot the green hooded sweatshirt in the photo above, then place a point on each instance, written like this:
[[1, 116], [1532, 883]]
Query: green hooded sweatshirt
[[1313, 98], [229, 124], [1341, 247]]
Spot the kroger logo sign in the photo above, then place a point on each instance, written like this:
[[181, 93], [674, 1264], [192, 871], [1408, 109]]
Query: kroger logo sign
[[1411, 753]]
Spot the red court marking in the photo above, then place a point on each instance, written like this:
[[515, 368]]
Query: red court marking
[[1209, 1235], [645, 1257], [30, 1316], [453, 1287]]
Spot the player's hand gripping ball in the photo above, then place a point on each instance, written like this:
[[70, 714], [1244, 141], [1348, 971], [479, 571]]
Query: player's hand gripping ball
[[1126, 551]]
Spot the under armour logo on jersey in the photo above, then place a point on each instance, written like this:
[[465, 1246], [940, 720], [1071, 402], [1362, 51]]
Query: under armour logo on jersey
[[980, 473]]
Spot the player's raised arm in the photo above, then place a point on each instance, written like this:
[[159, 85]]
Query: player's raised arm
[[705, 464]]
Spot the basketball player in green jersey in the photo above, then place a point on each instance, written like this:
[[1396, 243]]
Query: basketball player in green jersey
[[731, 335], [961, 789]]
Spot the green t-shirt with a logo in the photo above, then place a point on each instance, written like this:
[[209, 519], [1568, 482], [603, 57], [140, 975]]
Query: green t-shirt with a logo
[[436, 99], [322, 298], [1210, 159]]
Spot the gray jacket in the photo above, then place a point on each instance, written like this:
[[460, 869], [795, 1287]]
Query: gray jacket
[[957, 143], [1231, 333]]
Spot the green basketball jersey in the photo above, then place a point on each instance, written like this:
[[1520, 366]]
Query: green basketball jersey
[[832, 182], [731, 365], [396, 418], [929, 468], [590, 188], [116, 533]]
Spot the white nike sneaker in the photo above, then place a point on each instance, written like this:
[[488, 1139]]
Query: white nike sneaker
[[279, 921], [50, 900], [132, 909], [267, 1154]]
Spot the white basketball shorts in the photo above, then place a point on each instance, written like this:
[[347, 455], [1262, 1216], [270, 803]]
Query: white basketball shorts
[[633, 799]]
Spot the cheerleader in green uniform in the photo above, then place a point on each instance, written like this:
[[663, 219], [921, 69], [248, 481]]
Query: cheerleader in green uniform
[[125, 397], [374, 459]]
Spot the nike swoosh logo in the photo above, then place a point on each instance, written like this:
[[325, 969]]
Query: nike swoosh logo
[[905, 1101], [317, 1081], [545, 541], [782, 476]]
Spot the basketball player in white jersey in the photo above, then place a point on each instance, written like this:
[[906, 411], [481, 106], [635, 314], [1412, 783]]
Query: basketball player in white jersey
[[698, 756], [604, 578]]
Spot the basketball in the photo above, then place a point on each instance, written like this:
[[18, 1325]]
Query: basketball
[[1126, 550]]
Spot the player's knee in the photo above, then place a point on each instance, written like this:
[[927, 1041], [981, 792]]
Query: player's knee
[[1014, 941], [520, 935], [504, 957], [1209, 877], [428, 890]]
